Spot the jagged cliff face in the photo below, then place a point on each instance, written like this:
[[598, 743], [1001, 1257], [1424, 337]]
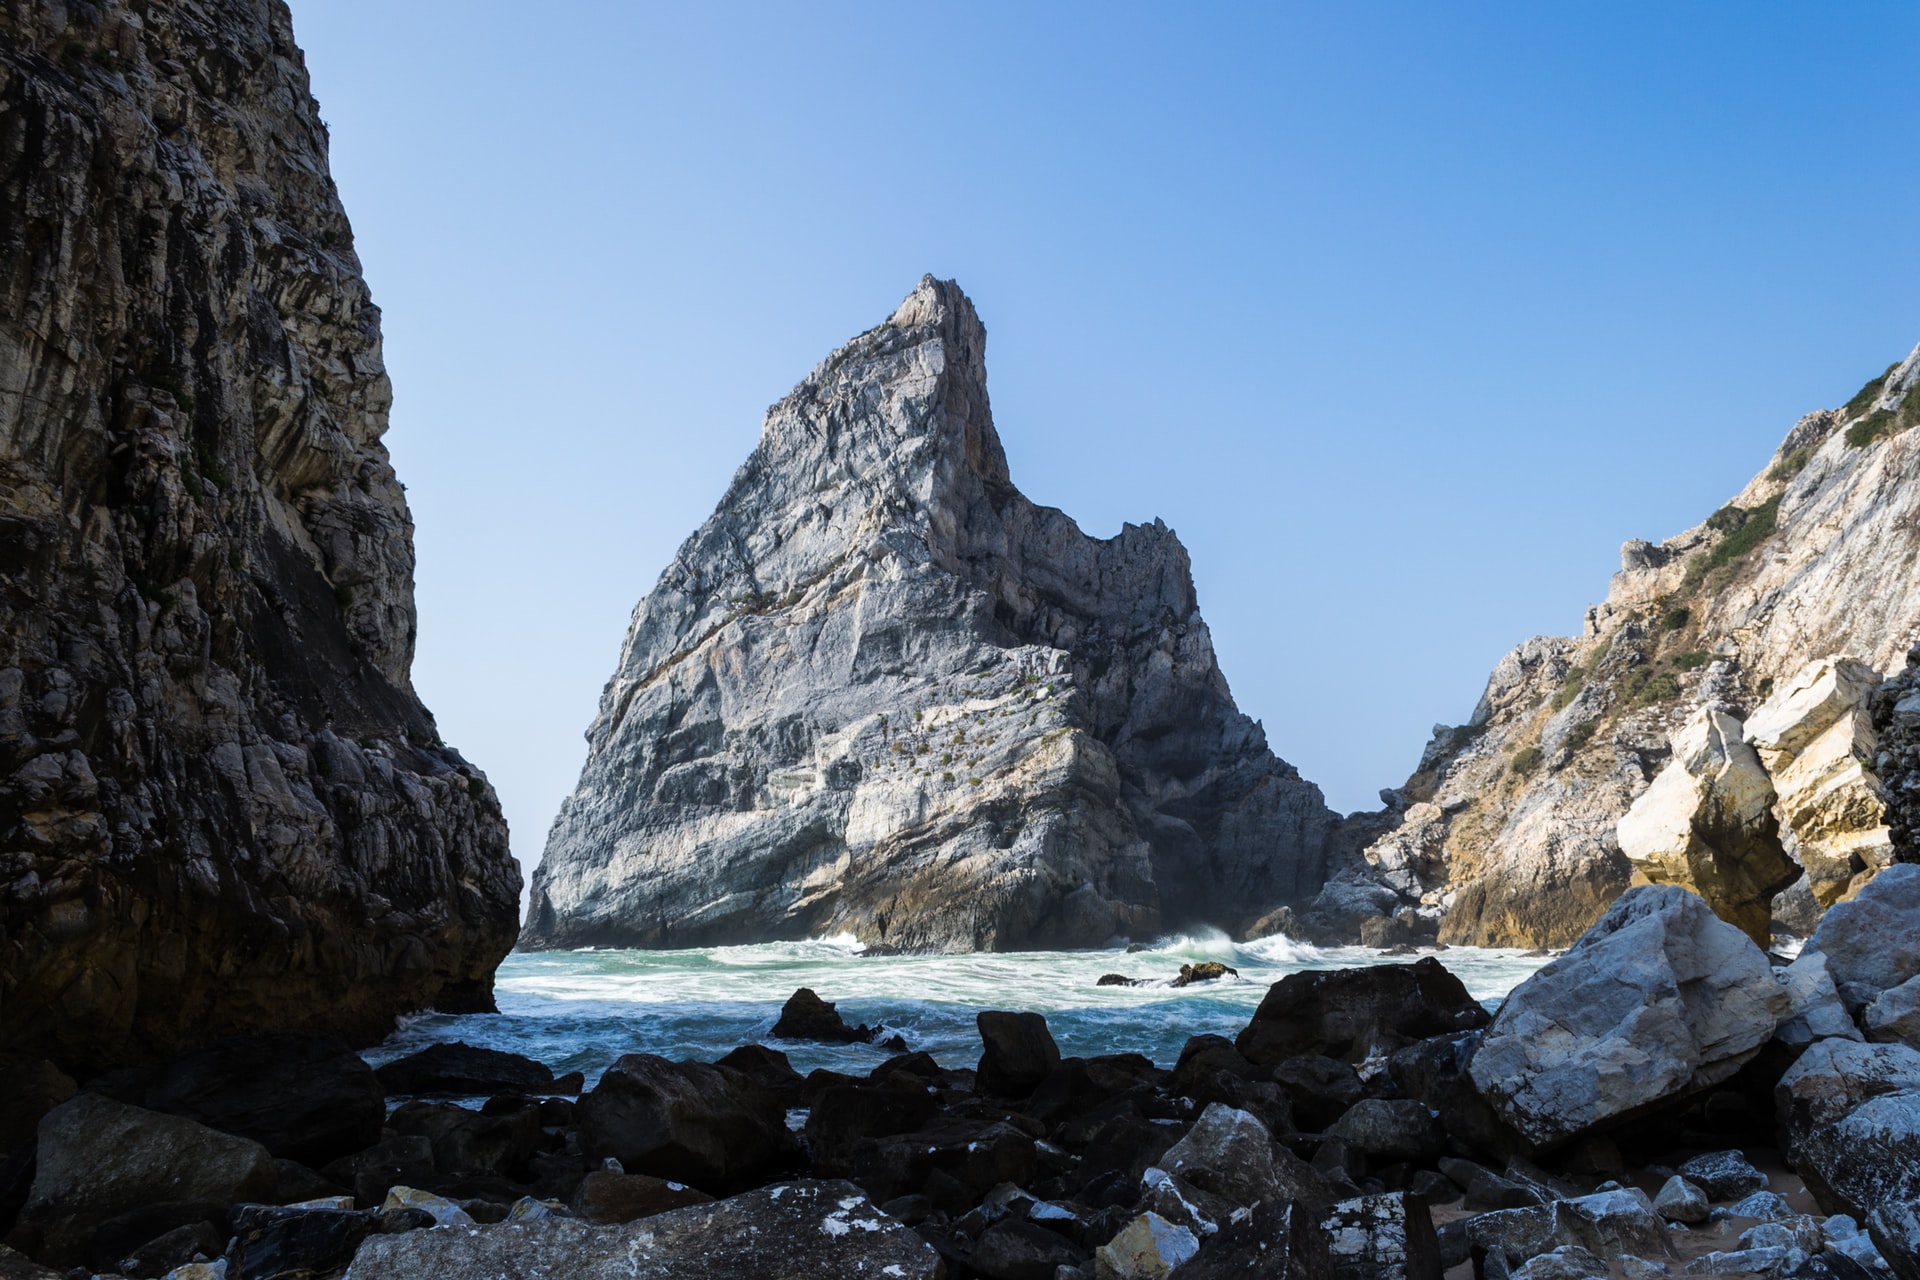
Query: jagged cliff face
[[221, 805], [1508, 831], [881, 692]]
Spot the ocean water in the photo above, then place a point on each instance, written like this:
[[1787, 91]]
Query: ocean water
[[580, 1010]]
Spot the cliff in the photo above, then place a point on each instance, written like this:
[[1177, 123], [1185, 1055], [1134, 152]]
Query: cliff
[[881, 692], [1775, 616], [222, 806]]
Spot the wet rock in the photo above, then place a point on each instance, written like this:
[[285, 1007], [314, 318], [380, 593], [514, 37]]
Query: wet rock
[[1382, 1237], [1203, 971], [1850, 1116], [1681, 1201], [270, 1242], [1018, 1053], [1148, 1248], [97, 1157], [1568, 1262], [806, 1016], [802, 1228], [1873, 941], [456, 1069], [607, 1197], [687, 1121], [1355, 1013], [1320, 1088], [1660, 999], [1388, 1131], [1707, 824], [1119, 980], [1724, 1175], [469, 1142], [842, 1118], [1014, 1249]]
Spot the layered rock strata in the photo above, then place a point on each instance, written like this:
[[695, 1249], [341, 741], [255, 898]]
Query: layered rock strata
[[881, 692], [1507, 833], [221, 804]]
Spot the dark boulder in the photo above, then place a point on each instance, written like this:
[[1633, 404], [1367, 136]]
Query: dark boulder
[[954, 1161], [1390, 1131], [806, 1016], [458, 1070], [607, 1197], [170, 1249], [469, 1142], [1017, 1054], [28, 1090], [844, 1117], [1724, 1175], [1354, 1013], [1204, 971], [1321, 1089], [303, 1097], [1276, 1241], [271, 1242], [708, 1126], [1015, 1249], [768, 1068], [1119, 980], [1382, 1237]]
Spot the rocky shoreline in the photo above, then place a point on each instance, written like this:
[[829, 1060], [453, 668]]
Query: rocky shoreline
[[1663, 1099]]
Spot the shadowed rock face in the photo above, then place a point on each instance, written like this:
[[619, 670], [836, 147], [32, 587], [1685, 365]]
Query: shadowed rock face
[[221, 805], [879, 691]]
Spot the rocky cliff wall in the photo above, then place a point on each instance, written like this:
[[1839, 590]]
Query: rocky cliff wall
[[1507, 832], [221, 805], [881, 692]]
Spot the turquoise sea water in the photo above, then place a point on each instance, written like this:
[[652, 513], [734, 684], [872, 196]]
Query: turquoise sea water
[[580, 1010]]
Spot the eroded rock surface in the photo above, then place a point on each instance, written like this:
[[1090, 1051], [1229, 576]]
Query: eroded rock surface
[[881, 692], [210, 747]]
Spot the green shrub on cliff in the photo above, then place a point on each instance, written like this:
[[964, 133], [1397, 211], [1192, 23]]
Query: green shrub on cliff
[[1526, 760], [1751, 527], [1793, 464]]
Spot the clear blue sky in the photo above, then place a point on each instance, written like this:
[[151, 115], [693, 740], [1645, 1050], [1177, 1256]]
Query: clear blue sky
[[1404, 316]]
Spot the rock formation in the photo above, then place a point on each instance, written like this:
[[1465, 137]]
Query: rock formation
[[1507, 831], [879, 691], [221, 804]]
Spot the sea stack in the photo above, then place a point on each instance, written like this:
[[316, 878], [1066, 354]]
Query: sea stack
[[222, 807], [881, 692]]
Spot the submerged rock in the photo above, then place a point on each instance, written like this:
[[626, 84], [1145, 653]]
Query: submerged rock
[[806, 1016], [226, 809], [1355, 1013], [1658, 1000], [881, 692], [802, 1229]]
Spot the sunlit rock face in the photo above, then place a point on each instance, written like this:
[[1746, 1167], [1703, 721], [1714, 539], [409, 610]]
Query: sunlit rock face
[[221, 805], [881, 692]]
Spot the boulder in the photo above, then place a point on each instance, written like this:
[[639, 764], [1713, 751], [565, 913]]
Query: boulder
[[1814, 1010], [1018, 1052], [469, 1142], [790, 1231], [1873, 940], [843, 1117], [458, 1070], [17, 1266], [1015, 1249], [1148, 1248], [1568, 1262], [170, 1249], [272, 1242], [1894, 1014], [1320, 1088], [1707, 824], [1276, 1240], [955, 1160], [806, 1016], [443, 1212], [98, 1158], [1227, 1152], [768, 1068], [1610, 1223], [28, 1090], [1391, 1130], [1353, 1014], [1681, 1201], [1816, 738], [303, 1097], [1895, 1229], [686, 1121], [1660, 999], [1850, 1117], [1382, 1237], [1724, 1175], [607, 1197]]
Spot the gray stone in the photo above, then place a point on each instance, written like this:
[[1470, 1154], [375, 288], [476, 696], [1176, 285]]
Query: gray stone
[[1724, 1175], [1609, 1223], [1874, 939], [1658, 1000], [1815, 1011], [1770, 1262], [876, 650], [1148, 1248], [1764, 1205], [1382, 1237], [1850, 1117], [227, 808], [1894, 1014], [1681, 1201], [1568, 1262], [790, 1231], [1895, 1229]]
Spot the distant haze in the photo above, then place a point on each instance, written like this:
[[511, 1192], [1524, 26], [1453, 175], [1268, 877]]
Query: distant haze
[[1404, 317]]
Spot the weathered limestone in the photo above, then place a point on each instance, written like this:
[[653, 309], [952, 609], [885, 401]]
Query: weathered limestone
[[222, 806], [1850, 1118], [1661, 998], [881, 692], [1707, 824]]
